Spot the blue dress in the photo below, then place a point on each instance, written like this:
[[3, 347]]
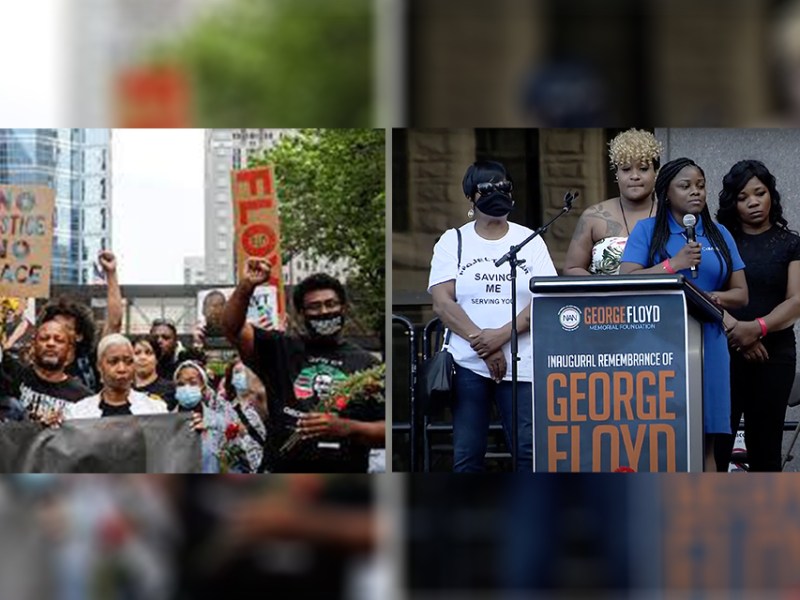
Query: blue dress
[[712, 276]]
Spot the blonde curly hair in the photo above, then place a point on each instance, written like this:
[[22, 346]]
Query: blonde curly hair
[[634, 146]]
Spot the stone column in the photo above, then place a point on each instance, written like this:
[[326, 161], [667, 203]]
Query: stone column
[[571, 159], [437, 161]]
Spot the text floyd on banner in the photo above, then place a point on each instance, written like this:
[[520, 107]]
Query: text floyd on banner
[[257, 227], [610, 382]]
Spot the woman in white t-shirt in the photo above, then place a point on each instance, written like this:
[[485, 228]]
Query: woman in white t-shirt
[[474, 302]]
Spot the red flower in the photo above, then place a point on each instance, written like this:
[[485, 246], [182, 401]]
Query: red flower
[[624, 470], [232, 431], [340, 403]]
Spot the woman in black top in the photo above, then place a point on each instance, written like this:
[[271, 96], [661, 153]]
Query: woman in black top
[[146, 354], [762, 342]]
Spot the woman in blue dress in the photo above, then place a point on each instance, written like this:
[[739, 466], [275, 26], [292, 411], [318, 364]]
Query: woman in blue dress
[[659, 245]]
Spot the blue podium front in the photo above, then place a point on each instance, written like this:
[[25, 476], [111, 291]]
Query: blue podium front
[[617, 374]]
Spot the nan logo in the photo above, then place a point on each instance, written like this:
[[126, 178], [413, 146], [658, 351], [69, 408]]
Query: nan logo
[[569, 317]]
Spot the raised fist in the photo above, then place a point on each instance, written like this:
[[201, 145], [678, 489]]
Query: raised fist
[[107, 261], [257, 271]]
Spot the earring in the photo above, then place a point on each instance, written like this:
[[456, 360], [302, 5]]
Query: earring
[[470, 214]]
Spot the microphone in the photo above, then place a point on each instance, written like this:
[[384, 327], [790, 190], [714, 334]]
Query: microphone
[[689, 221], [569, 198]]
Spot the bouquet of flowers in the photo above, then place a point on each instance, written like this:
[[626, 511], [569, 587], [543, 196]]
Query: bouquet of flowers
[[232, 457], [360, 388]]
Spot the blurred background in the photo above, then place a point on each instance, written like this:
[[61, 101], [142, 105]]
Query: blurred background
[[184, 63], [582, 63], [603, 536], [299, 63], [158, 537]]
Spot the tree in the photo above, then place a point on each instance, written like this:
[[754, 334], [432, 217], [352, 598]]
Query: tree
[[279, 63], [333, 205]]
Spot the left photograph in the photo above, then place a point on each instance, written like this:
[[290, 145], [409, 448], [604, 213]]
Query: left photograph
[[192, 300]]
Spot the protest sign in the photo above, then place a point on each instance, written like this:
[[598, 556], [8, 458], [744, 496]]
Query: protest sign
[[26, 240], [257, 228], [261, 312]]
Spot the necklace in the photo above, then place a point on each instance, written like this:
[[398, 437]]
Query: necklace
[[625, 220]]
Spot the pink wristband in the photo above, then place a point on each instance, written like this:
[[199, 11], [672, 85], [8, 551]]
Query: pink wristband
[[668, 267], [763, 326]]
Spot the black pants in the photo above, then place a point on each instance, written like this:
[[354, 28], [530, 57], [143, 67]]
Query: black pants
[[760, 391]]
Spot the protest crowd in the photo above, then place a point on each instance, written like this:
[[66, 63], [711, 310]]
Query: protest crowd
[[285, 402]]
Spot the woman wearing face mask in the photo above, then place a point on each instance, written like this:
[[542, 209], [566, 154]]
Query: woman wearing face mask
[[146, 354], [473, 302], [244, 393], [194, 394]]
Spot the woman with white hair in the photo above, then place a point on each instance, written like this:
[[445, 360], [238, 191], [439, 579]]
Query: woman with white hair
[[117, 396]]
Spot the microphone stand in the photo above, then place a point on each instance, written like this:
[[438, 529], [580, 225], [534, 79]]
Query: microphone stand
[[513, 261]]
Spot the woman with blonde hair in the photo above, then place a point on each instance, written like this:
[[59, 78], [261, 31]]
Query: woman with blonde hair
[[603, 229]]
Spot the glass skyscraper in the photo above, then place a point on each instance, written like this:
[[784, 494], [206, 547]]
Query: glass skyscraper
[[76, 163]]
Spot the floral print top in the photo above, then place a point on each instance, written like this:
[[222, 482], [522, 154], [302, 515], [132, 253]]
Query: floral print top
[[606, 256]]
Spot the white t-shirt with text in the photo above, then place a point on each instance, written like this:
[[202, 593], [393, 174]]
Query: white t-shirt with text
[[484, 291]]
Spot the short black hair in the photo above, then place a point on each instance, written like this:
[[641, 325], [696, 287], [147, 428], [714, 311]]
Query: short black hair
[[210, 295], [160, 322], [84, 321], [151, 341], [482, 171], [312, 283]]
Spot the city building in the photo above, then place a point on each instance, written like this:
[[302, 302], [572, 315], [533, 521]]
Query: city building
[[194, 270], [227, 149], [76, 163]]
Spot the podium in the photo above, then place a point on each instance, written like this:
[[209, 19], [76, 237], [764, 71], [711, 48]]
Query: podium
[[618, 373]]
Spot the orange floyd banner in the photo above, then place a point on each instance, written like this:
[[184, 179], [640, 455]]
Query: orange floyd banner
[[158, 97], [257, 229], [26, 240]]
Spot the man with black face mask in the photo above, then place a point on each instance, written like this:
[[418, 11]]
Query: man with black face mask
[[298, 373]]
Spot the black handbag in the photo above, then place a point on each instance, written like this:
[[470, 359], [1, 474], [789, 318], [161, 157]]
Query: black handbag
[[438, 370], [437, 380]]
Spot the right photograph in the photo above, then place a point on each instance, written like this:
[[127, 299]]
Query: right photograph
[[595, 300]]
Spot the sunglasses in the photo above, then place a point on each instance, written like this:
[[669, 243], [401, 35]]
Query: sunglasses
[[491, 186]]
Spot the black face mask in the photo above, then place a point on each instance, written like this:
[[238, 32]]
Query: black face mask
[[325, 327], [495, 204]]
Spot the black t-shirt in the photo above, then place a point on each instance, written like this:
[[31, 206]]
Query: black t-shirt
[[296, 374], [108, 410], [767, 257], [167, 365], [160, 389], [84, 368], [34, 393]]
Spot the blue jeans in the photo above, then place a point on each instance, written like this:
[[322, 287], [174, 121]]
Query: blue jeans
[[471, 414]]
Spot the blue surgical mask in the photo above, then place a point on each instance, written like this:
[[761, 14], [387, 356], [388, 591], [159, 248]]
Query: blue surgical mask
[[188, 396], [239, 382]]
